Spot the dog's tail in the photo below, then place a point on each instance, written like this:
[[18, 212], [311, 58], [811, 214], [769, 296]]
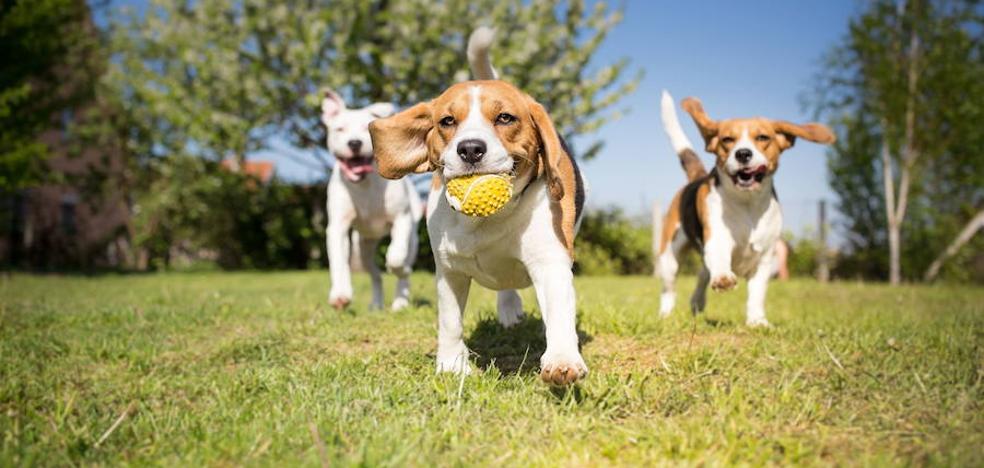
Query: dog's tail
[[478, 54], [681, 144]]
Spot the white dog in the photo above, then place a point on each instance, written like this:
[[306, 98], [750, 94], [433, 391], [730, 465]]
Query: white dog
[[362, 201], [490, 127]]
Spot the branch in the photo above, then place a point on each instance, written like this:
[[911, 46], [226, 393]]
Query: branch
[[975, 224]]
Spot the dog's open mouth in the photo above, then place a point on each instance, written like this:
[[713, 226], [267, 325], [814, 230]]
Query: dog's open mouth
[[355, 168], [748, 178]]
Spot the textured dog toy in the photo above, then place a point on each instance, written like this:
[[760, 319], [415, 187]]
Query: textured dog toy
[[479, 195]]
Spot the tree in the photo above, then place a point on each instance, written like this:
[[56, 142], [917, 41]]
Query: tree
[[217, 78], [904, 89], [46, 65]]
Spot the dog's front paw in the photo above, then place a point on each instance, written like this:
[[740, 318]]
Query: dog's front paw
[[456, 362], [562, 368], [399, 304], [724, 282], [757, 322], [339, 302]]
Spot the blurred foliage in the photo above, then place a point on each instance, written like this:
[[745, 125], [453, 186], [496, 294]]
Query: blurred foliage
[[198, 211], [221, 77], [803, 255], [49, 59], [863, 92], [611, 243], [217, 79]]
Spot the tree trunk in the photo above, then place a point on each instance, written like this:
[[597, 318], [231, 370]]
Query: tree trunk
[[896, 212], [975, 224], [894, 265]]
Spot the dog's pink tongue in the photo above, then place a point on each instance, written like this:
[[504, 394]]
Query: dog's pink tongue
[[361, 169], [760, 170]]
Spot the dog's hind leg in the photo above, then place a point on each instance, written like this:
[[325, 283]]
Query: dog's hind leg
[[400, 257], [699, 298], [510, 307], [668, 266], [367, 253]]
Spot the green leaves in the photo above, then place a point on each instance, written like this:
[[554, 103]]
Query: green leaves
[[223, 77]]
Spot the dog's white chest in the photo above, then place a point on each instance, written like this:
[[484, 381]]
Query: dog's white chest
[[753, 228]]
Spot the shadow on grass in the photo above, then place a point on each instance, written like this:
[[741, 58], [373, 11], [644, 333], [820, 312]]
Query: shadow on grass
[[515, 350]]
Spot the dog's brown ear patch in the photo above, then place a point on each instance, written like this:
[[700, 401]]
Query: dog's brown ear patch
[[399, 143], [561, 175], [815, 132], [708, 128]]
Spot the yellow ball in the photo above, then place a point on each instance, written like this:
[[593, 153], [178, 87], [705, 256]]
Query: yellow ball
[[480, 194]]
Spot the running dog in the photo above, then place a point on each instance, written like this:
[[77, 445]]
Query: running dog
[[369, 206], [491, 127], [730, 215]]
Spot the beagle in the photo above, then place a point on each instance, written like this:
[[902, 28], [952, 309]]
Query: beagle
[[491, 127], [361, 201], [730, 215]]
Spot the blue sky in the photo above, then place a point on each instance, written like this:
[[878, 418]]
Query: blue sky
[[743, 59]]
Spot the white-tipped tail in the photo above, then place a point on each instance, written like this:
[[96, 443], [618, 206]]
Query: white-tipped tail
[[671, 124], [478, 54], [689, 160]]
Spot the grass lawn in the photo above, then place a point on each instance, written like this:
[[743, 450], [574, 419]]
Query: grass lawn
[[252, 368]]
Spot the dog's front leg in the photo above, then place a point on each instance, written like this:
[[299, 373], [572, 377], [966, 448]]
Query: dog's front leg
[[340, 294], [717, 259], [757, 286], [452, 295], [561, 363]]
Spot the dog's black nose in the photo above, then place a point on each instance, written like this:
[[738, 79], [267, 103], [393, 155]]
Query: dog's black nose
[[355, 146], [743, 155], [471, 151]]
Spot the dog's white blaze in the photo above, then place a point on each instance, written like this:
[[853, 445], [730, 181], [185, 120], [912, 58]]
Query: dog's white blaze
[[476, 127], [758, 159]]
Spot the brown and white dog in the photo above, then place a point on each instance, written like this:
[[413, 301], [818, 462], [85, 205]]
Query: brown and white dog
[[491, 127], [731, 215]]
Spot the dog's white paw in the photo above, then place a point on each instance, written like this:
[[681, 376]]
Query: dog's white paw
[[666, 303], [757, 322], [456, 362], [400, 303], [724, 282], [510, 317], [562, 368], [339, 301]]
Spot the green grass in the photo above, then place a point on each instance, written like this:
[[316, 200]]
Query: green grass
[[252, 368]]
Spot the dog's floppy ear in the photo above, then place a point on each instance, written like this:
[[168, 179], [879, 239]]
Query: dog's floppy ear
[[331, 105], [708, 128], [381, 109], [558, 167], [400, 142], [815, 132]]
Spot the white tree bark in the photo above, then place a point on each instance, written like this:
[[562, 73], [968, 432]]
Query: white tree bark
[[895, 211], [975, 224]]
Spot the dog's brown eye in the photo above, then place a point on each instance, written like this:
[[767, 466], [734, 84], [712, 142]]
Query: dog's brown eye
[[447, 121], [505, 119], [763, 138], [727, 140]]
